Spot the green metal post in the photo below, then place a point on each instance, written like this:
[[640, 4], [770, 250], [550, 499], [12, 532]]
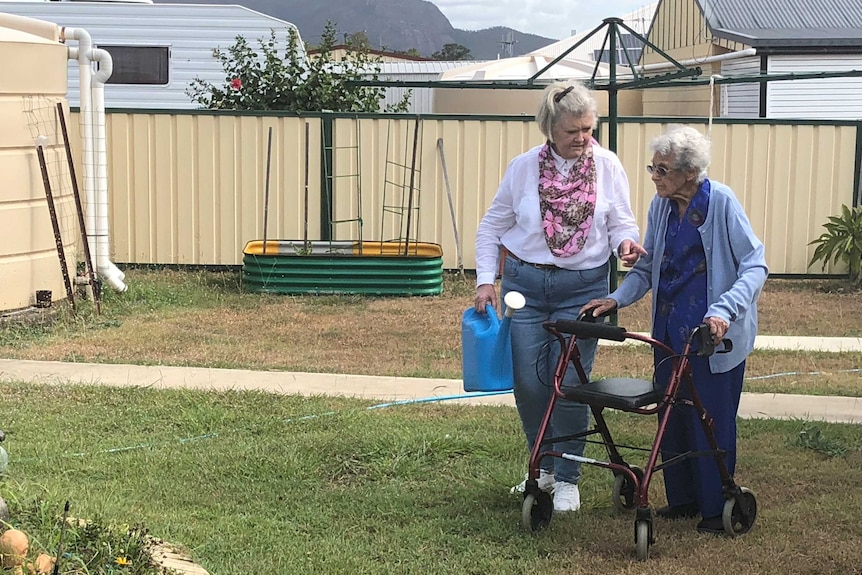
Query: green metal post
[[613, 110], [327, 124]]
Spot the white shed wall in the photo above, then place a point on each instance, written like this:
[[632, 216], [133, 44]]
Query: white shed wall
[[191, 31], [740, 100], [827, 98]]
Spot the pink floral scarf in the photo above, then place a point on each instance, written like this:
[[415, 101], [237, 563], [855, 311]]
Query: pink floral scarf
[[567, 202]]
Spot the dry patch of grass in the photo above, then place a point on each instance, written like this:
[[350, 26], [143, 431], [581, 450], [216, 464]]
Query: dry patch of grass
[[205, 319], [826, 308]]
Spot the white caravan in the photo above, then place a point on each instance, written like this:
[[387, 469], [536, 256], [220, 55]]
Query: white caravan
[[157, 49]]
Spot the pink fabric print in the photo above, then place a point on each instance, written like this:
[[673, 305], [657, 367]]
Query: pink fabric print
[[568, 202], [551, 224]]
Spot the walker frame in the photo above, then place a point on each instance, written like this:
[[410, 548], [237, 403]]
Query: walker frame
[[631, 483]]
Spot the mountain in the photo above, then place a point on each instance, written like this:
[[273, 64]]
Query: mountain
[[390, 24], [491, 43]]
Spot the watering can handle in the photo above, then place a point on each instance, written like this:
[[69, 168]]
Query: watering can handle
[[492, 315]]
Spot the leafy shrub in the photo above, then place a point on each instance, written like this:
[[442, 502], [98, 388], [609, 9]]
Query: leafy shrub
[[281, 77], [842, 240]]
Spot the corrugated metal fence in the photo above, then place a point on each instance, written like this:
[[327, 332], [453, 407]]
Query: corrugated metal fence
[[189, 188]]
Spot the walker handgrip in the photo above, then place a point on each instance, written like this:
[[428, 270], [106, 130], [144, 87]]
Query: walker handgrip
[[706, 345], [584, 329]]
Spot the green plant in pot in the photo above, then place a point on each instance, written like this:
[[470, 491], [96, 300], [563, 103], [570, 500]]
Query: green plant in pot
[[842, 240]]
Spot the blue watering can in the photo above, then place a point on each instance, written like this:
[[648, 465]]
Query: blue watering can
[[486, 346]]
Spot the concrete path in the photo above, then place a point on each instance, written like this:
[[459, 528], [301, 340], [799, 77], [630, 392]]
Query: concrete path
[[383, 389]]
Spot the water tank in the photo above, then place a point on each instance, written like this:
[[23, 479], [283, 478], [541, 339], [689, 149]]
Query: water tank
[[32, 83]]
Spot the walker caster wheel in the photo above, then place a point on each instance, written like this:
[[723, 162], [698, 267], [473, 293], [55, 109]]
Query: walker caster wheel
[[739, 512], [537, 511], [642, 539], [623, 496]]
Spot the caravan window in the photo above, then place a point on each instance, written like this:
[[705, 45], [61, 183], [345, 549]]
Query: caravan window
[[139, 64]]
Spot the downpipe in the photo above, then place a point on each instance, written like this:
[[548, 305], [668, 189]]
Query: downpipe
[[92, 86]]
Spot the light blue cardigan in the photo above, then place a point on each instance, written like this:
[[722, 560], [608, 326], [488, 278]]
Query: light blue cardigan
[[735, 264]]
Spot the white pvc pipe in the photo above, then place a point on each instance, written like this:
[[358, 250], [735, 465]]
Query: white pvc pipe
[[95, 151], [104, 265], [694, 61], [81, 55]]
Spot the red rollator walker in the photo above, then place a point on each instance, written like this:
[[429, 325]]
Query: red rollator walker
[[631, 483]]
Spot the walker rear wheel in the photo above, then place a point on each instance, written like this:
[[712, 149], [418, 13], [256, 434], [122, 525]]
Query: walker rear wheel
[[537, 511], [623, 496], [739, 513]]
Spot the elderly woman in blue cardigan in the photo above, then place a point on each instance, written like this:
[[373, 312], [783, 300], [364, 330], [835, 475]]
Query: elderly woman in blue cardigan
[[704, 265]]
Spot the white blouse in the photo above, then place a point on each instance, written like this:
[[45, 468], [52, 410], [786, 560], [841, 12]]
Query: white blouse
[[514, 219]]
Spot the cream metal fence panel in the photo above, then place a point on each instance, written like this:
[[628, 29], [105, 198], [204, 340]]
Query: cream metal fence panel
[[189, 188], [477, 153]]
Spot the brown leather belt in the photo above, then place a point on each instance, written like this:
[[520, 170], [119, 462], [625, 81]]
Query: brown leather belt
[[506, 252]]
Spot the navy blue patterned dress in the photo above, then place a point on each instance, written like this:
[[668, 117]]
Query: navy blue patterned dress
[[681, 304]]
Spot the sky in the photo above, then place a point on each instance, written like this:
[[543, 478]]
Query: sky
[[549, 18]]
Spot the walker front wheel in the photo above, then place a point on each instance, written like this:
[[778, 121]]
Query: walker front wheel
[[642, 540], [739, 512], [537, 511]]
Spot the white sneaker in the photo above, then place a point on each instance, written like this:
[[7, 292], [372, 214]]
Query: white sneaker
[[546, 482], [567, 497]]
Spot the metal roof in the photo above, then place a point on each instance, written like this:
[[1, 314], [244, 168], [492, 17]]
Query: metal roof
[[786, 23], [425, 67]]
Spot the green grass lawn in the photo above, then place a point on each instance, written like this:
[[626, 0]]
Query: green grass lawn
[[254, 483]]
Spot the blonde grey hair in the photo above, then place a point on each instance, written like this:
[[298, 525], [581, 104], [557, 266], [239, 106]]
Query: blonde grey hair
[[577, 101], [690, 149]]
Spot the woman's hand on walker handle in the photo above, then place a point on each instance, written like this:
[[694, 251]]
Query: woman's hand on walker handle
[[717, 327], [485, 294], [598, 307], [630, 252]]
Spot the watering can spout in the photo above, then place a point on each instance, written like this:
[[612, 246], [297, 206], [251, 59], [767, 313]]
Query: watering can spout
[[487, 348]]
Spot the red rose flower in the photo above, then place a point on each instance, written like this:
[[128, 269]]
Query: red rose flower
[[236, 84]]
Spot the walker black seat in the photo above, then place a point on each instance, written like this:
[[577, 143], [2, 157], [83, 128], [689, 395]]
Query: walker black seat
[[623, 393]]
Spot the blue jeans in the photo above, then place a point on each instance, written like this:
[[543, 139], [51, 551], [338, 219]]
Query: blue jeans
[[551, 294]]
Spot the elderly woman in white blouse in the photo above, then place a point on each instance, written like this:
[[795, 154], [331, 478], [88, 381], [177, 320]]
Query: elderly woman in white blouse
[[561, 210]]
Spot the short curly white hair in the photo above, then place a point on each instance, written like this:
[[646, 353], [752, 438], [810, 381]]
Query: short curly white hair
[[690, 149]]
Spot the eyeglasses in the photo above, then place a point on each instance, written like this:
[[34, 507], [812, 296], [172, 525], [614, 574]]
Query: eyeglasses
[[659, 171]]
